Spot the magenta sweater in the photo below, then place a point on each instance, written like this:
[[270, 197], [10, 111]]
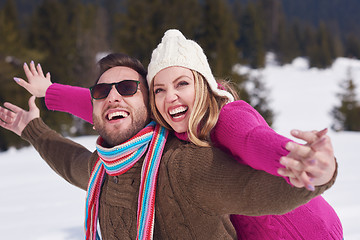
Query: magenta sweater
[[242, 132]]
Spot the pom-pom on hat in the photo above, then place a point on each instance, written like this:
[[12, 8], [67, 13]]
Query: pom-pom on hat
[[176, 50]]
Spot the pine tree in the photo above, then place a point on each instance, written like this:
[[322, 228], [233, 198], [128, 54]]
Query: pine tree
[[137, 29], [140, 27], [273, 21], [219, 37], [91, 39], [177, 14], [352, 48], [289, 44], [320, 51], [347, 115], [11, 39], [251, 37], [259, 99], [53, 30]]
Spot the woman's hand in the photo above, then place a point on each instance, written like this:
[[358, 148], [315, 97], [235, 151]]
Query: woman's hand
[[312, 164], [37, 83]]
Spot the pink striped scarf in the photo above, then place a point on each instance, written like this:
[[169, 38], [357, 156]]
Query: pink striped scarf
[[117, 160]]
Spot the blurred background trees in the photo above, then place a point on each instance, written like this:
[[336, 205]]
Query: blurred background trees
[[347, 113], [68, 36]]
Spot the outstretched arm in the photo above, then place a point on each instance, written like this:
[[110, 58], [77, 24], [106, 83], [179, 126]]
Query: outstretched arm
[[242, 132], [217, 183], [67, 158], [58, 97]]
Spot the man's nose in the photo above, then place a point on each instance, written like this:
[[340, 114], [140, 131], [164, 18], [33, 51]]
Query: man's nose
[[114, 95]]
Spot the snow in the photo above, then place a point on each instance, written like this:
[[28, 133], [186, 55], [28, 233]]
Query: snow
[[36, 204]]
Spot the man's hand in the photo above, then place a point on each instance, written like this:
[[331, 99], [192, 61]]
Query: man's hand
[[37, 83], [15, 118]]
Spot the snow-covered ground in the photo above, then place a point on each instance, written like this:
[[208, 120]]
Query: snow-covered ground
[[35, 203]]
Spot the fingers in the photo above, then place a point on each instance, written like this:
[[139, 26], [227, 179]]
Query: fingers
[[48, 76], [33, 69], [27, 71], [318, 144], [10, 120], [12, 107], [299, 171], [309, 136], [32, 104], [299, 151], [23, 83], [322, 133], [39, 69], [297, 168], [298, 179], [6, 115], [304, 135]]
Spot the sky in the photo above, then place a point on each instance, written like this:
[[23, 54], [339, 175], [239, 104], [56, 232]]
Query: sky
[[37, 204]]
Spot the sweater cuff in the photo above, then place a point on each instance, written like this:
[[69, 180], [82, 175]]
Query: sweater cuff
[[34, 130], [52, 97]]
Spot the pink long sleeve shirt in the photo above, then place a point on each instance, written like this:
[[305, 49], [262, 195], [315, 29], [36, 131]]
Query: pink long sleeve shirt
[[242, 132]]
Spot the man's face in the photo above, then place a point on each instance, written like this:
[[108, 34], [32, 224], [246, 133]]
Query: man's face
[[117, 118]]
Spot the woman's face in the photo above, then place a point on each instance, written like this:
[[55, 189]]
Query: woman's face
[[174, 92]]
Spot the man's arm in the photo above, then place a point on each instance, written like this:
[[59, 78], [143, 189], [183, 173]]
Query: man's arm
[[67, 158], [218, 184]]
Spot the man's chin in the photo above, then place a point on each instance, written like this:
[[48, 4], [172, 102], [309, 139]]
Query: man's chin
[[117, 136], [118, 132]]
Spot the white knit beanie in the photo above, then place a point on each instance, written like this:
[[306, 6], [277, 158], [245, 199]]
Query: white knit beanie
[[176, 50]]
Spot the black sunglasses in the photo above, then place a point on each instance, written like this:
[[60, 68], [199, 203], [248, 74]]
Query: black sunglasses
[[124, 88]]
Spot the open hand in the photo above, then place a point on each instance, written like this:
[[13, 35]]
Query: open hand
[[15, 118], [37, 83]]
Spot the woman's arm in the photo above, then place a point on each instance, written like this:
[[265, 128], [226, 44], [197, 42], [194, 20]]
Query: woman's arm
[[242, 132], [58, 97], [70, 99]]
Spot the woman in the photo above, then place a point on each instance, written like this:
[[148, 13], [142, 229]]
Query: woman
[[185, 97]]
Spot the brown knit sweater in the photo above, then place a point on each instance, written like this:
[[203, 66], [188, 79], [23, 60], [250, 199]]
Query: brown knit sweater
[[197, 188]]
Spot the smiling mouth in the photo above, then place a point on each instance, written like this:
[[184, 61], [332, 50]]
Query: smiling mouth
[[178, 112], [117, 115]]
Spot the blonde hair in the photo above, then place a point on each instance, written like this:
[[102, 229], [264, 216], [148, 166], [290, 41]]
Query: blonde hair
[[205, 113]]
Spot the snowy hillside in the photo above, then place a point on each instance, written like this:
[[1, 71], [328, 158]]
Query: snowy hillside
[[36, 204]]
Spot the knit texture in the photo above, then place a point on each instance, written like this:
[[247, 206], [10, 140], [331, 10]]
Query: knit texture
[[118, 160], [176, 50], [259, 151], [242, 132], [70, 99], [197, 188]]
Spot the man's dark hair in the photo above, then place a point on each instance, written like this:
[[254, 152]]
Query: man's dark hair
[[120, 59]]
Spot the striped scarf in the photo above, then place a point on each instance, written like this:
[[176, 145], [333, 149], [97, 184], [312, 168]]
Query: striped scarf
[[117, 160]]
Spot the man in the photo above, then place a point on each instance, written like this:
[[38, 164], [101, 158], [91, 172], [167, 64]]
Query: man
[[196, 187]]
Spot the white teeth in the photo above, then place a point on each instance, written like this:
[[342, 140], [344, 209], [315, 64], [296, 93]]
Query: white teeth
[[117, 114], [178, 110]]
